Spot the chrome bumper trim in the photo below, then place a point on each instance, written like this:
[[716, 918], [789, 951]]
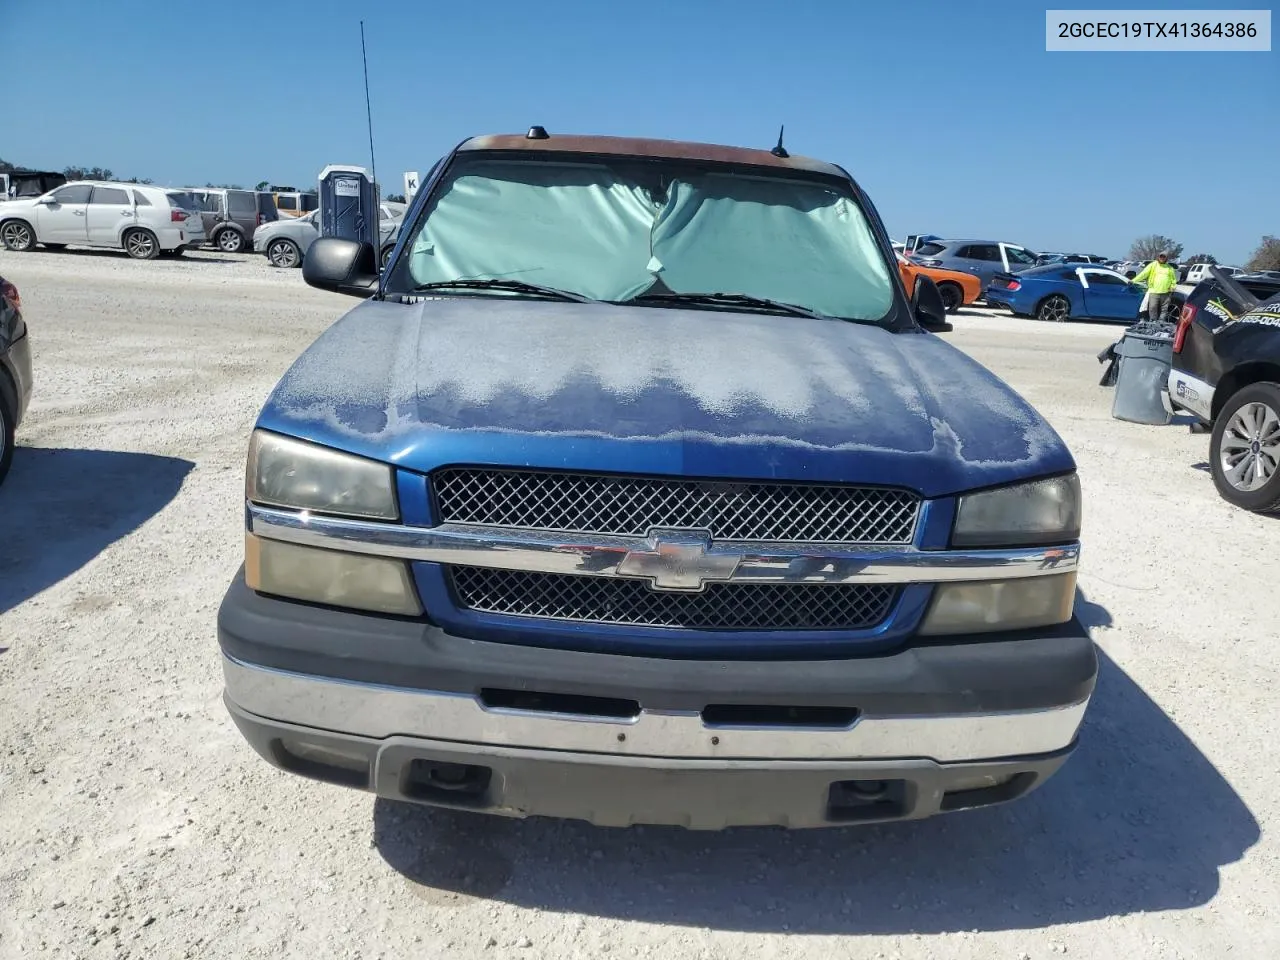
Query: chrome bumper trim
[[378, 712], [609, 556]]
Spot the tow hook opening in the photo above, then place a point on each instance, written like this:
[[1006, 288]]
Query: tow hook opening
[[459, 784], [851, 800]]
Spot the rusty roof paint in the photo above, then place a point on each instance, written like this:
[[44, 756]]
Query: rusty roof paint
[[640, 147]]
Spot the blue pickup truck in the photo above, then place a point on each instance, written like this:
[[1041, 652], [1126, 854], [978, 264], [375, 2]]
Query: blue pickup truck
[[636, 490]]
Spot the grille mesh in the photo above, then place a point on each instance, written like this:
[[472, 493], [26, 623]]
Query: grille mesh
[[735, 606], [631, 506]]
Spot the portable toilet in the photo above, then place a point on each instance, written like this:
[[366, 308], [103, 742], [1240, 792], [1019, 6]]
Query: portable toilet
[[348, 204]]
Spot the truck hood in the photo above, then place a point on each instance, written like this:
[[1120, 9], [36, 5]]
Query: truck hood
[[503, 381]]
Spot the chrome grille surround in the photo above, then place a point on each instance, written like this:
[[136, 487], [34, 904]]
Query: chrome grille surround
[[741, 511], [719, 606]]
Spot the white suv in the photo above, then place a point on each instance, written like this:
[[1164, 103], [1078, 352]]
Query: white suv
[[145, 221]]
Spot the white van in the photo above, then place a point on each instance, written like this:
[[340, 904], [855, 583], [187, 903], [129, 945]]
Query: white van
[[144, 221], [1200, 271]]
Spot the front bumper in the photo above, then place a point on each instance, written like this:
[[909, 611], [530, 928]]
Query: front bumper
[[402, 708]]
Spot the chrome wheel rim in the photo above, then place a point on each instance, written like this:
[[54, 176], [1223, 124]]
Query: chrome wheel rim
[[17, 235], [229, 241], [283, 253], [1250, 450], [1055, 309], [140, 245]]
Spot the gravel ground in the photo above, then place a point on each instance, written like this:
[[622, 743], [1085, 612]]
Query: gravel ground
[[136, 823]]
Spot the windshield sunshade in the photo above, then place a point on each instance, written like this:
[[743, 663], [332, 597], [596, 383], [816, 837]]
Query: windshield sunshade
[[575, 228], [592, 230]]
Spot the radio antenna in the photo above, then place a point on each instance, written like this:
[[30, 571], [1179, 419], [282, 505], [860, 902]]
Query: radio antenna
[[780, 150], [368, 109]]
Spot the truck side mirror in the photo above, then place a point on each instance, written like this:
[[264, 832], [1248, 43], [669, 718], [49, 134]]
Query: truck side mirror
[[341, 266], [927, 306]]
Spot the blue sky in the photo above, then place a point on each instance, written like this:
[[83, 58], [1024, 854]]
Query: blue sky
[[950, 114]]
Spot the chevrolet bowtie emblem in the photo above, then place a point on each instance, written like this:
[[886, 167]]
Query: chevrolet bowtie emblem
[[678, 560]]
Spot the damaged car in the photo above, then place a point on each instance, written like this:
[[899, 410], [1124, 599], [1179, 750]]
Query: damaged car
[[1226, 372], [636, 489]]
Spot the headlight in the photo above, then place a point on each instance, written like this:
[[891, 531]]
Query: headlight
[[1041, 512], [284, 472], [379, 584], [1000, 605]]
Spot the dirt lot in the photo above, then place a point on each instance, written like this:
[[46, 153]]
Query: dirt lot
[[136, 823]]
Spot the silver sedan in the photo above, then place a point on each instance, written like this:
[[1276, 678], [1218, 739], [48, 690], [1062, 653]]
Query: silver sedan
[[286, 241]]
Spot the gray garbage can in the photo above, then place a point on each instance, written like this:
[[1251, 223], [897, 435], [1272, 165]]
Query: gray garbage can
[[1142, 376]]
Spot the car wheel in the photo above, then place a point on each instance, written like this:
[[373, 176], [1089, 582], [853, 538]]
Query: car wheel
[[229, 241], [284, 253], [17, 236], [1244, 451], [1056, 309], [55, 247], [6, 439], [952, 296], [141, 245]]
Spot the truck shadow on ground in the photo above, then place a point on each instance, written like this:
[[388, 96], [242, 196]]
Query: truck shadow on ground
[[60, 508], [200, 256], [1137, 821]]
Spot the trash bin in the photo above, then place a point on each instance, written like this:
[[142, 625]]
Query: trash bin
[[1146, 356]]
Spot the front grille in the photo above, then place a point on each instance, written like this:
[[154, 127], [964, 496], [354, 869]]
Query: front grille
[[733, 606], [632, 506]]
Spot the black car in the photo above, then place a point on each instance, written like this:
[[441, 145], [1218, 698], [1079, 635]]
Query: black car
[[15, 370], [1226, 371]]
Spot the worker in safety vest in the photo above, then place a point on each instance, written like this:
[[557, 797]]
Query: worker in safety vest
[[1160, 278]]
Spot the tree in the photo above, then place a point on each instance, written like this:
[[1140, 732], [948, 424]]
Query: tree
[[1202, 258], [88, 173], [1267, 256], [396, 198], [1146, 248], [6, 166], [262, 185]]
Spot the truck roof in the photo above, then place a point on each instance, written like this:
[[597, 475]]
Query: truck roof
[[642, 147]]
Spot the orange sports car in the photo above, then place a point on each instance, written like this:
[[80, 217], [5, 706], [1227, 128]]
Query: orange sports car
[[957, 289]]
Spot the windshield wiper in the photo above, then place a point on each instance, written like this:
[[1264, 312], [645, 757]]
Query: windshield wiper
[[516, 286], [739, 299]]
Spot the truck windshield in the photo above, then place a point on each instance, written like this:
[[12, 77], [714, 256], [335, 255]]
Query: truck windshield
[[621, 231]]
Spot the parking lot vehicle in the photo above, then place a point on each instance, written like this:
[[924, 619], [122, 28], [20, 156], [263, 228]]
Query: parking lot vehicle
[[286, 241], [294, 203], [1059, 292], [636, 490], [1226, 371], [144, 221], [1093, 258], [15, 371], [982, 258], [1200, 271], [231, 216], [957, 289], [16, 184]]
